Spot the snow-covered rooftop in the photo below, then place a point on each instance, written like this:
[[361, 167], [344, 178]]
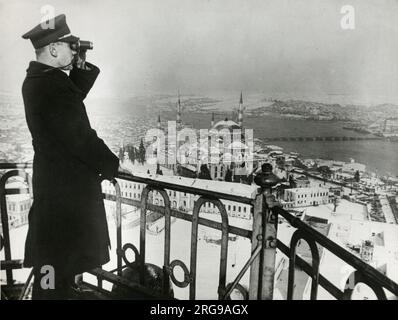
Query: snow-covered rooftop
[[238, 189]]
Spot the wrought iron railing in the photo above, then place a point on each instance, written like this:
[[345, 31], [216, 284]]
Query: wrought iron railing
[[264, 241]]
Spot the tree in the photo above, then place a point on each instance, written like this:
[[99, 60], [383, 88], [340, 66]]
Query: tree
[[298, 164], [228, 176], [130, 152], [336, 202], [357, 177], [141, 152], [325, 172], [133, 152], [351, 181], [204, 172], [158, 170], [121, 153], [292, 183]]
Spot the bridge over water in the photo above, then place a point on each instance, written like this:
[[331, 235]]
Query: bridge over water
[[341, 138]]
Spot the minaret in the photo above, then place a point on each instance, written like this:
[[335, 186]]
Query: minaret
[[240, 113], [212, 119], [179, 111], [159, 127]]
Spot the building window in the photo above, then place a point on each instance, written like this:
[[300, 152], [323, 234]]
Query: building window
[[234, 208]]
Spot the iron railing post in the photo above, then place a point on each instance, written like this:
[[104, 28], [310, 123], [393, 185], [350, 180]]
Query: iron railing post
[[257, 237], [265, 222]]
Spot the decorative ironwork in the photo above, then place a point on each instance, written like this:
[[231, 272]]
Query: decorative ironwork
[[263, 236], [4, 212], [136, 254], [194, 244], [187, 278], [364, 272], [297, 236]]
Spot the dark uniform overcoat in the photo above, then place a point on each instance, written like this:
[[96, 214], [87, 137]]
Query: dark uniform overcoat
[[67, 221]]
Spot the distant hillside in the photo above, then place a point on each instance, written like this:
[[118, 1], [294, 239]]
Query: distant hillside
[[387, 110], [324, 111]]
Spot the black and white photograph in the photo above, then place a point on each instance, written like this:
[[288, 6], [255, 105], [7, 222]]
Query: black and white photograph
[[215, 151]]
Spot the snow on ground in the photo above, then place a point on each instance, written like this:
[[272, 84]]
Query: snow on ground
[[208, 257], [345, 210], [349, 225]]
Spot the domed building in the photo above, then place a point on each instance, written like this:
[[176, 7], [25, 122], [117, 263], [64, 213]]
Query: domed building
[[227, 138], [226, 124], [226, 149]]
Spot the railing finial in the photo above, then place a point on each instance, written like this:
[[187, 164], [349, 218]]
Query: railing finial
[[266, 179]]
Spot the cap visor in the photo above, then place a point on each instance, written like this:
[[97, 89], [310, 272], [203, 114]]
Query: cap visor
[[69, 39]]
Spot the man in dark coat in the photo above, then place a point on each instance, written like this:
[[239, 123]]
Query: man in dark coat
[[67, 222]]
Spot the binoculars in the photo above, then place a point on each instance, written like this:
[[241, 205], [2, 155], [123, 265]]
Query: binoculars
[[81, 45]]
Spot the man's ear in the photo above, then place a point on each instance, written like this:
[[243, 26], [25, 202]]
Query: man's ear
[[53, 50]]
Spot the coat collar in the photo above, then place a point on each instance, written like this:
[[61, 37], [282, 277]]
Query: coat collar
[[38, 69]]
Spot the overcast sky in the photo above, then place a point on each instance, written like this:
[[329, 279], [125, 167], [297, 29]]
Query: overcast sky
[[292, 47]]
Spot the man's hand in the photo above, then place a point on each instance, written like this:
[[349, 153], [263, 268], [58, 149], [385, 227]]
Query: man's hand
[[80, 60]]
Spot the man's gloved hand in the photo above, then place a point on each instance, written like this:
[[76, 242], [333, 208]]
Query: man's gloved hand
[[80, 60]]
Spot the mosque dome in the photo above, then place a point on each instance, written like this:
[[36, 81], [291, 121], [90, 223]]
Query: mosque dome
[[226, 124]]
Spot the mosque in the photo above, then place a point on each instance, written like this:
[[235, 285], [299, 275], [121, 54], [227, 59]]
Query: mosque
[[227, 156]]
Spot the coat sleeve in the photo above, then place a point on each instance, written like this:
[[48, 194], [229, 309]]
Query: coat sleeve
[[66, 124], [84, 79]]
